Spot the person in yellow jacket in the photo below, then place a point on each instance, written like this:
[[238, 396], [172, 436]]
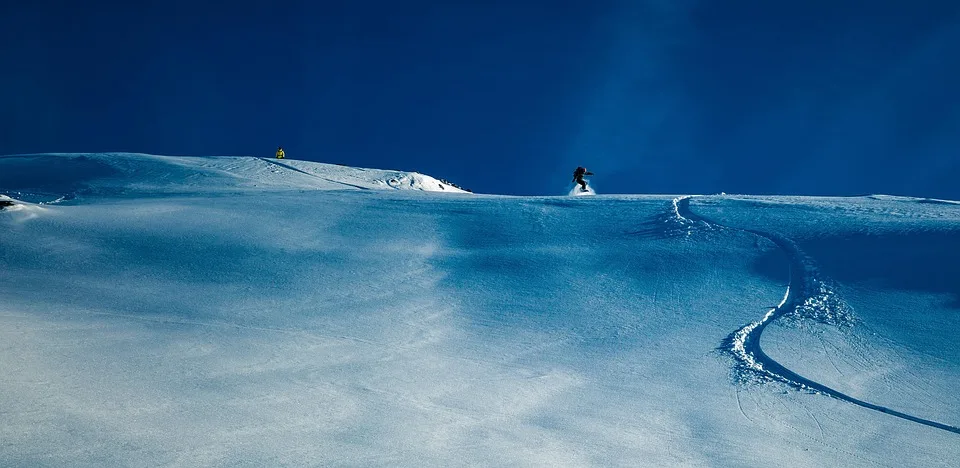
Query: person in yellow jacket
[[279, 152]]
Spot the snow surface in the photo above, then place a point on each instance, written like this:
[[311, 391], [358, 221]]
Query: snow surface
[[244, 311]]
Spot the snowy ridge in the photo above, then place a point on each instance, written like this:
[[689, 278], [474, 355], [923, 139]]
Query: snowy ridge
[[816, 301], [52, 178], [914, 199], [366, 179]]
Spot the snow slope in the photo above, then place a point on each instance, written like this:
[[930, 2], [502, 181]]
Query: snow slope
[[54, 177], [233, 311]]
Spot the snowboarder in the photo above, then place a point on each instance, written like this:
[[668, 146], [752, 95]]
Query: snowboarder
[[578, 177], [279, 152]]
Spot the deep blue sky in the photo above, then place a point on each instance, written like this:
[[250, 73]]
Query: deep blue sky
[[804, 97]]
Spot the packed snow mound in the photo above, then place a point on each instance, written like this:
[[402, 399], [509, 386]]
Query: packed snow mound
[[57, 177]]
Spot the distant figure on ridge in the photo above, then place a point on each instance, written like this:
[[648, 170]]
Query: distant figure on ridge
[[279, 152], [578, 177]]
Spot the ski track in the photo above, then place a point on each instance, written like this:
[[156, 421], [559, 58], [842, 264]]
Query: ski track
[[287, 166], [826, 352], [744, 344], [740, 405]]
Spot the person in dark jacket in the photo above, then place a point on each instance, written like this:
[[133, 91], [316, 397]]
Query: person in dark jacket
[[578, 177]]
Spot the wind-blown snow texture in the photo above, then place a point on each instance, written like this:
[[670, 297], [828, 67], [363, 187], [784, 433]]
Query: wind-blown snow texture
[[223, 311]]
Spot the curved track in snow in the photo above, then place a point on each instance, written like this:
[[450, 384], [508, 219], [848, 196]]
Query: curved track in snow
[[287, 166], [744, 343]]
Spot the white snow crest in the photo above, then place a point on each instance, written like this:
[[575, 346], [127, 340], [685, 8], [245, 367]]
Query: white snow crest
[[684, 224], [417, 181], [24, 211], [577, 192], [821, 302], [740, 337], [676, 209], [823, 305]]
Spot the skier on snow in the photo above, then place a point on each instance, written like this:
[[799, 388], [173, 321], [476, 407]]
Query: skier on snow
[[578, 177], [279, 152]]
